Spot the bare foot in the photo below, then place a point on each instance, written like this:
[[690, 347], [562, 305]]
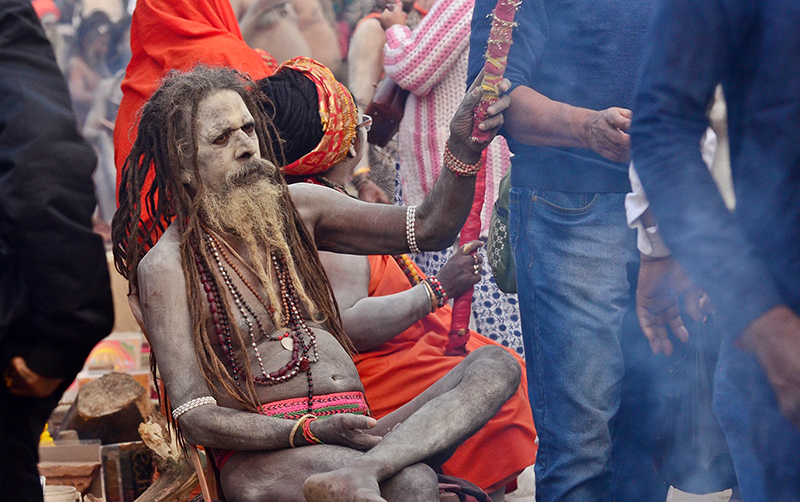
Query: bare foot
[[342, 485]]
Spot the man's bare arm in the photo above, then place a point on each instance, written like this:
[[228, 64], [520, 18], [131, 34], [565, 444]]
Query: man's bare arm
[[371, 321], [365, 61], [344, 225], [535, 119]]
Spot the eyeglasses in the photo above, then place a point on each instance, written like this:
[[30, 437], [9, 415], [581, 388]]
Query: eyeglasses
[[366, 122]]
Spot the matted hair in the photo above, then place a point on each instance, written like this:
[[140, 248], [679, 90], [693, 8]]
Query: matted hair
[[165, 145]]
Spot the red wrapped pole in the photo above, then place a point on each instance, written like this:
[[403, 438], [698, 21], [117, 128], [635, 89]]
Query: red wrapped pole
[[496, 59], [462, 306]]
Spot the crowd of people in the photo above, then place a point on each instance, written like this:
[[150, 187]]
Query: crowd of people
[[92, 41], [293, 324]]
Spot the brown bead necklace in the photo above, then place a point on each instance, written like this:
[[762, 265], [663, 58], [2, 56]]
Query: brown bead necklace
[[299, 338]]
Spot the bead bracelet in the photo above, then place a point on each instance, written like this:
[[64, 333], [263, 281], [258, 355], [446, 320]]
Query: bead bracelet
[[194, 403], [411, 229], [438, 291], [458, 167], [310, 437]]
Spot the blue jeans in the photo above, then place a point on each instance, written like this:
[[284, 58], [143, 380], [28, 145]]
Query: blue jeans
[[764, 445], [576, 263]]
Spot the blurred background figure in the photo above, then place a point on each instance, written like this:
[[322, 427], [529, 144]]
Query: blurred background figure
[[114, 9], [88, 64], [748, 259], [272, 26], [286, 29], [365, 72], [93, 53], [99, 132], [119, 53]]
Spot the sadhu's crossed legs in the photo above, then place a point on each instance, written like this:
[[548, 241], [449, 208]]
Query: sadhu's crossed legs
[[437, 420]]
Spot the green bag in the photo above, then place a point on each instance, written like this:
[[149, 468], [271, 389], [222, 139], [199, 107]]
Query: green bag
[[498, 249]]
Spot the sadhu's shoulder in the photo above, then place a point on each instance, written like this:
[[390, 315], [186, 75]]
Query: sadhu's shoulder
[[307, 195], [297, 190], [162, 261]]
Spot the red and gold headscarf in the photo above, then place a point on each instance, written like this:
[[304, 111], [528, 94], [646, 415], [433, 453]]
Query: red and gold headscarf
[[338, 113]]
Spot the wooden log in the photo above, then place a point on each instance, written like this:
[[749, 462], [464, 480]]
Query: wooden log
[[176, 478], [109, 409]]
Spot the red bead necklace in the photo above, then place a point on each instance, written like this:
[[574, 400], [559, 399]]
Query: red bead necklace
[[304, 344]]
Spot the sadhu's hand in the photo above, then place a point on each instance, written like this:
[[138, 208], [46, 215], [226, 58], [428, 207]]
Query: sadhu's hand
[[460, 141], [774, 337], [23, 381], [346, 429], [462, 270], [661, 283]]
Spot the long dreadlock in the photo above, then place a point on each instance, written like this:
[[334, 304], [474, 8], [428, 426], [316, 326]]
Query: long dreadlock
[[165, 144]]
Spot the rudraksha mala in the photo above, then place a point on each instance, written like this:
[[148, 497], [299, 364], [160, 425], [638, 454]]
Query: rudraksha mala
[[304, 344]]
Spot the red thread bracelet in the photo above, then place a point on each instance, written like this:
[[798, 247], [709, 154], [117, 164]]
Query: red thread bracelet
[[310, 437]]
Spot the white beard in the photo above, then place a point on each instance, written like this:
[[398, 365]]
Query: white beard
[[250, 207]]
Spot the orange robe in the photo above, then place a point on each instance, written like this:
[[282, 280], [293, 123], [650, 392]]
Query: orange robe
[[400, 369], [178, 34]]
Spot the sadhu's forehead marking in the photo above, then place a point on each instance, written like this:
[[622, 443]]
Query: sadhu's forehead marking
[[221, 112]]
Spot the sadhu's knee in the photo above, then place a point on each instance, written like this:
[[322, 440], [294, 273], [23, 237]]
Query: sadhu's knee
[[499, 367], [417, 482]]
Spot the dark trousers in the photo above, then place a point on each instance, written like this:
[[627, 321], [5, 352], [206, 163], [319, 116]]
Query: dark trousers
[[22, 420]]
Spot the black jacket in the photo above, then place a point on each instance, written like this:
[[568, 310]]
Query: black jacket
[[55, 297]]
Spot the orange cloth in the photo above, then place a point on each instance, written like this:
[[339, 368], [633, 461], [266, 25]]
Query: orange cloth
[[400, 369], [178, 34], [337, 112]]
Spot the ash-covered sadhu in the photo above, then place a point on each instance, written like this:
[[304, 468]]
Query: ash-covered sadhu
[[238, 310]]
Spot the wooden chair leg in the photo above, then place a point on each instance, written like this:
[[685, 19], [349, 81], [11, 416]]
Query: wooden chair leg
[[201, 475]]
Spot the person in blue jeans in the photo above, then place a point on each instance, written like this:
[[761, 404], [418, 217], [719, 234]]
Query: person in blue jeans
[[572, 66], [747, 260]]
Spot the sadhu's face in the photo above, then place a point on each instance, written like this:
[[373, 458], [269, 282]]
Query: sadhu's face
[[226, 140]]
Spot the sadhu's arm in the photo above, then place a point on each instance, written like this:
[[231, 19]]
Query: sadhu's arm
[[344, 225]]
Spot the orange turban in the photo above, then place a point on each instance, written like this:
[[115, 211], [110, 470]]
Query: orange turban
[[338, 113]]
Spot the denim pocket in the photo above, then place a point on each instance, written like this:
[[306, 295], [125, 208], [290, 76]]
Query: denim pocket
[[566, 203]]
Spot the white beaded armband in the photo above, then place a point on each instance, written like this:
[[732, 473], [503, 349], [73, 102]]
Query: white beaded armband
[[194, 403], [411, 229]]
